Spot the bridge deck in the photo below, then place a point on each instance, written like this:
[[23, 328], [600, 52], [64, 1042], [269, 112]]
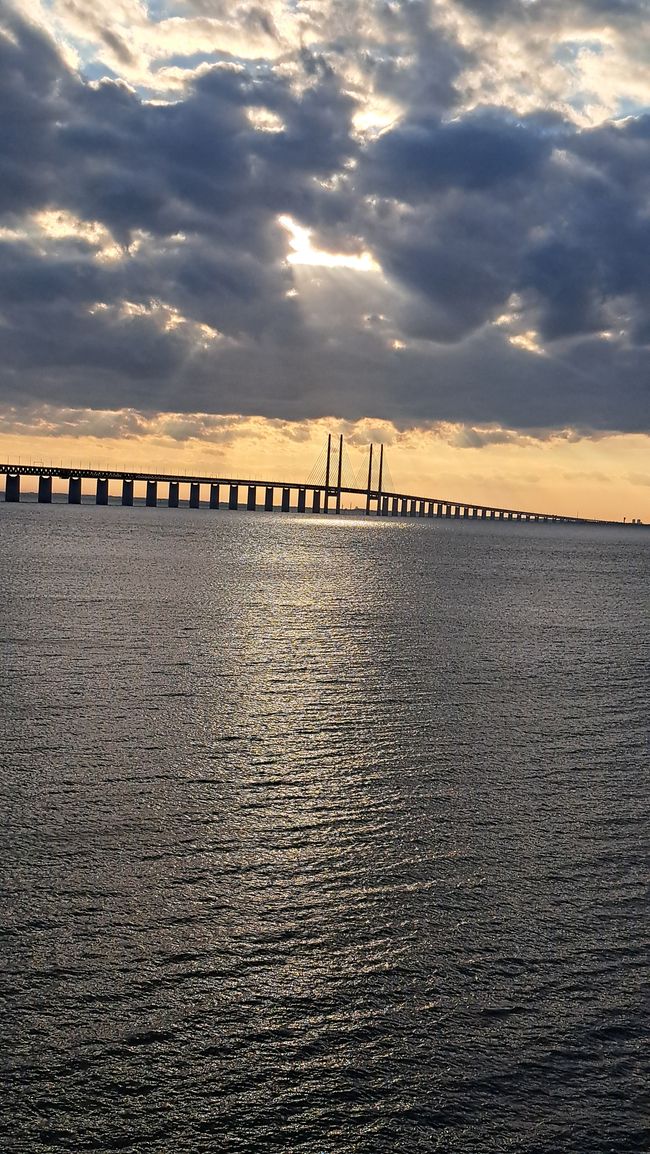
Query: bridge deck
[[60, 472]]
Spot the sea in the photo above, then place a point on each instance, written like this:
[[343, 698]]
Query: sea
[[322, 835]]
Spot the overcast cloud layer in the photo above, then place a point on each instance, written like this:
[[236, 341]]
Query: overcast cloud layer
[[480, 171]]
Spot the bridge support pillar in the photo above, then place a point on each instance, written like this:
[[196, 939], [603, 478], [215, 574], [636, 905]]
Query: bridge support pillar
[[315, 505], [127, 491], [172, 499], [12, 487], [286, 500], [44, 490], [438, 509], [233, 497], [447, 510], [421, 509], [302, 500], [251, 500], [268, 499], [151, 499], [384, 506], [413, 511], [195, 495], [101, 492], [394, 511], [405, 508], [214, 496], [74, 491], [430, 509], [456, 510]]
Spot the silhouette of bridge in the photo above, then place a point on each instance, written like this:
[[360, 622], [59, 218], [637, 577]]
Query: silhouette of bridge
[[330, 480]]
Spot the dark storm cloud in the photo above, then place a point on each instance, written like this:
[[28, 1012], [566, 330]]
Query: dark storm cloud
[[489, 208], [471, 217], [480, 152], [415, 61], [467, 195], [30, 98], [588, 271], [27, 280]]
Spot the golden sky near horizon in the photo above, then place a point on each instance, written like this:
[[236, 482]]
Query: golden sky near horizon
[[608, 477]]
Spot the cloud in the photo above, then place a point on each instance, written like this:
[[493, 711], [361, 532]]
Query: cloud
[[585, 58], [144, 266], [481, 152]]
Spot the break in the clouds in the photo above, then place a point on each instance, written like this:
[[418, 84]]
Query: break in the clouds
[[413, 212]]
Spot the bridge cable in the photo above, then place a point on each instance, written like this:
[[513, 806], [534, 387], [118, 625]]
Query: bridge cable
[[317, 474]]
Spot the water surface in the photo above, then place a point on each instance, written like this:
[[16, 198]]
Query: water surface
[[322, 835]]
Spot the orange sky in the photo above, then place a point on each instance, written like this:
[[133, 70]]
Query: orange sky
[[607, 477]]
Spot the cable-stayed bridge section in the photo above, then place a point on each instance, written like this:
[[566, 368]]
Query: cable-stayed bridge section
[[331, 479]]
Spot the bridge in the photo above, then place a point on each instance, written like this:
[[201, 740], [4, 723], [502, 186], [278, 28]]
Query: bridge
[[321, 493]]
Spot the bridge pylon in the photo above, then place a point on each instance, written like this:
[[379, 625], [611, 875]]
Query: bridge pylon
[[375, 493], [327, 475]]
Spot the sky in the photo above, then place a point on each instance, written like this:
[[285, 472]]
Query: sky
[[228, 227]]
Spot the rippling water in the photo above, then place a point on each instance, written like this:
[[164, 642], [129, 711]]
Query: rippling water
[[322, 835]]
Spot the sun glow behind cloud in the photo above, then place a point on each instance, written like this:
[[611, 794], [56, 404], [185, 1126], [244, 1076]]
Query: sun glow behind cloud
[[56, 224], [303, 251]]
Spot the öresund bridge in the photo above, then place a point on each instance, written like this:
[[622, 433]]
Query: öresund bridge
[[323, 491]]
